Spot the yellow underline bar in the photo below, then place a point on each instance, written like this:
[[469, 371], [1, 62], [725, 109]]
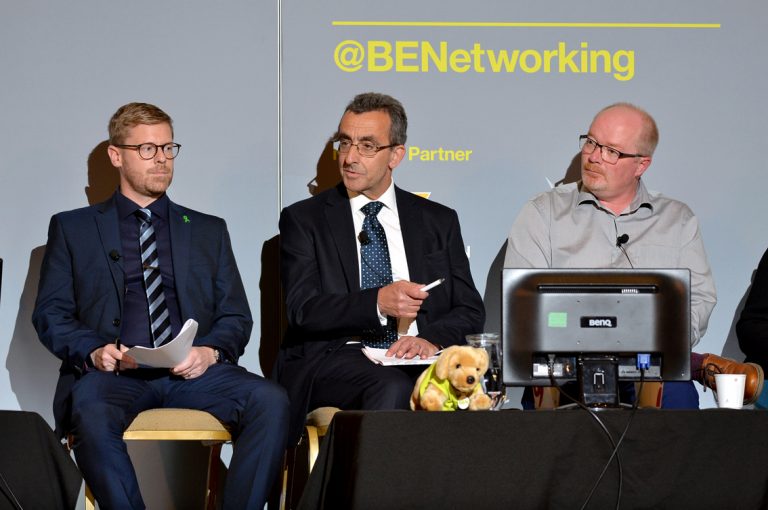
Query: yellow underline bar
[[494, 24]]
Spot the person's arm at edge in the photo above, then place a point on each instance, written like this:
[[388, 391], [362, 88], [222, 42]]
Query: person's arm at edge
[[752, 327]]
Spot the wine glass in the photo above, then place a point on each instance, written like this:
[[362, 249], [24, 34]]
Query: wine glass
[[493, 385]]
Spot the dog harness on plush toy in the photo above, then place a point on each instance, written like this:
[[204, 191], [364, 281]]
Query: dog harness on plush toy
[[452, 403]]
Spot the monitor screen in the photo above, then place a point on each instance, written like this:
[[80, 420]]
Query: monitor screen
[[554, 318]]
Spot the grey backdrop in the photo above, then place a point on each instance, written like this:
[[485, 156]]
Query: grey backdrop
[[255, 92]]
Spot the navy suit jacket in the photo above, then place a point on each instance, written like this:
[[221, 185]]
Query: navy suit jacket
[[80, 295], [321, 281]]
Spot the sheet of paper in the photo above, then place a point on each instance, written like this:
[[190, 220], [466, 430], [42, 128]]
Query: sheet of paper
[[169, 354], [378, 357]]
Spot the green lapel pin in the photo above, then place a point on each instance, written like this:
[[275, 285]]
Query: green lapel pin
[[186, 218]]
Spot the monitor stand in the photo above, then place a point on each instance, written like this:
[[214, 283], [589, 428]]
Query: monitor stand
[[598, 383]]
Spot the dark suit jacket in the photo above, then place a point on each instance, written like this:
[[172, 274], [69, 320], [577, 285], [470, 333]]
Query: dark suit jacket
[[752, 328], [321, 281], [80, 296]]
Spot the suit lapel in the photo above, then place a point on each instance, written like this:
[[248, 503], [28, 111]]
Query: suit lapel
[[108, 225], [412, 228], [339, 217], [180, 227]]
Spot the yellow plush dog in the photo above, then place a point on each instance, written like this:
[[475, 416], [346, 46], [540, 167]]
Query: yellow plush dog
[[453, 381]]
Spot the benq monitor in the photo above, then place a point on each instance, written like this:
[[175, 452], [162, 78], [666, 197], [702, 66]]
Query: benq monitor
[[556, 320]]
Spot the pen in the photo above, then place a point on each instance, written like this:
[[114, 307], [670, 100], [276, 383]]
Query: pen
[[432, 285], [117, 362]]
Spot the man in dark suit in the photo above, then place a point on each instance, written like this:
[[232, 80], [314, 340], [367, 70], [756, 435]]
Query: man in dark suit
[[333, 311], [109, 282], [752, 327]]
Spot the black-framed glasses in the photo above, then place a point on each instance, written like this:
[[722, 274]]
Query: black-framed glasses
[[366, 148], [148, 150], [587, 144]]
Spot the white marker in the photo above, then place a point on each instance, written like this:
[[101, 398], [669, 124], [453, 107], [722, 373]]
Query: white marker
[[432, 285]]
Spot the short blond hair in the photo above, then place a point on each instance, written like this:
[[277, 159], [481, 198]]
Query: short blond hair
[[133, 114]]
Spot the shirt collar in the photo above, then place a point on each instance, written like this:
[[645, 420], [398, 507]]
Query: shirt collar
[[642, 198], [127, 207], [387, 198]]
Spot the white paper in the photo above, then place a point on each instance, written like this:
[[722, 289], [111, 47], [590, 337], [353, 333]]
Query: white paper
[[379, 357], [169, 354]]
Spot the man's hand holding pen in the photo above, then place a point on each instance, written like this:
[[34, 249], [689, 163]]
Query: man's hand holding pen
[[403, 298]]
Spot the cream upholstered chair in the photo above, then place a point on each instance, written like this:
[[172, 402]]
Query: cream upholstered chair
[[316, 428], [297, 469], [650, 394], [179, 425]]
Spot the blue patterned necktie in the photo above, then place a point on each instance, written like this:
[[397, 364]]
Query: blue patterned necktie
[[159, 319], [376, 268]]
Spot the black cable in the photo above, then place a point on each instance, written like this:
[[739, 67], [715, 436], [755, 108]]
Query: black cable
[[618, 444], [621, 247], [621, 240], [605, 430]]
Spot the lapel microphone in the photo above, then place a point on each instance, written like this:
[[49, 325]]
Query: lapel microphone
[[620, 242], [363, 238], [114, 255]]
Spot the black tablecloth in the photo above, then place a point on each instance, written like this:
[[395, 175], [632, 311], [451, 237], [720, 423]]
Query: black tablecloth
[[36, 473], [541, 459]]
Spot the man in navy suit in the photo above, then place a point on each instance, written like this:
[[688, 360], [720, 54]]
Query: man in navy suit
[[330, 313], [92, 305]]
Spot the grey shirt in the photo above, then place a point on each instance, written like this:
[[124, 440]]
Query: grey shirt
[[567, 227]]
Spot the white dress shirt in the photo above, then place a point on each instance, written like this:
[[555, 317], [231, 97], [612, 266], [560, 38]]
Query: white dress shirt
[[390, 220]]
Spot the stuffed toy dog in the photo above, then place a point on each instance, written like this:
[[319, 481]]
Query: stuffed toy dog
[[453, 381]]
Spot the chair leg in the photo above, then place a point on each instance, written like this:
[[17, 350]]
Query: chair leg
[[289, 480], [314, 445], [90, 503], [284, 484], [650, 395], [213, 492], [297, 469]]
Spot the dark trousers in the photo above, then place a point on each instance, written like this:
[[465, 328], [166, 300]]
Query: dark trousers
[[255, 410], [350, 381]]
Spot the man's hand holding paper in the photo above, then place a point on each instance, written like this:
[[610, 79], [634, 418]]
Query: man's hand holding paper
[[168, 355]]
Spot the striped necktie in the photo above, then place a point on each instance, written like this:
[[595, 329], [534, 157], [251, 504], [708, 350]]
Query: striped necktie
[[159, 319], [376, 268]]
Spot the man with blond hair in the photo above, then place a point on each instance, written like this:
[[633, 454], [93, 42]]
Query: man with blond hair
[[129, 272]]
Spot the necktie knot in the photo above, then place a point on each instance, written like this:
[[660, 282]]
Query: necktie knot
[[372, 208], [144, 215]]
